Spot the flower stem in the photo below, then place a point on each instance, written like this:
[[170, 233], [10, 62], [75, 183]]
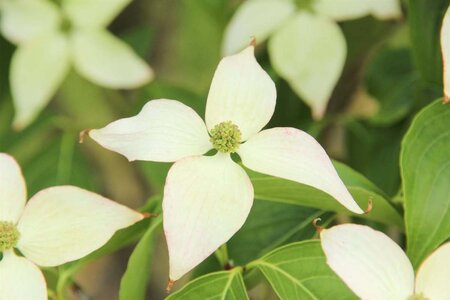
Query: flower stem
[[222, 256]]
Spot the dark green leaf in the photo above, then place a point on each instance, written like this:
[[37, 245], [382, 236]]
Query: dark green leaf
[[268, 226], [425, 19], [134, 282], [374, 151], [425, 167], [392, 80]]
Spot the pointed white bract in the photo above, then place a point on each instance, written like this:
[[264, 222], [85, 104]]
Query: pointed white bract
[[257, 19], [368, 261], [64, 223], [295, 155], [21, 279], [445, 48], [386, 9], [24, 20], [309, 52], [33, 87], [342, 10], [433, 275], [57, 225], [103, 59], [13, 192], [374, 267], [164, 130], [207, 198], [306, 47], [241, 92], [93, 13], [47, 46]]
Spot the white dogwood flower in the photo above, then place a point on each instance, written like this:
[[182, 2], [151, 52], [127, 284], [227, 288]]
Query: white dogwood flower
[[208, 198], [306, 46], [374, 267], [57, 225], [52, 37], [445, 48]]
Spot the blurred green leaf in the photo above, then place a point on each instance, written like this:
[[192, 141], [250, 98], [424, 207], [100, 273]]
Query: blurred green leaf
[[374, 151], [163, 89], [134, 282], [224, 285], [425, 168], [139, 38], [5, 58], [48, 159], [193, 51], [425, 18], [299, 271], [285, 191], [391, 78]]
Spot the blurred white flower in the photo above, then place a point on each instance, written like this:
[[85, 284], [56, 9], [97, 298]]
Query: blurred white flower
[[374, 267], [208, 198], [445, 47], [57, 225], [306, 46], [50, 39]]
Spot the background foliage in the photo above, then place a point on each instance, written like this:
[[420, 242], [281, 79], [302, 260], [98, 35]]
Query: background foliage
[[385, 124]]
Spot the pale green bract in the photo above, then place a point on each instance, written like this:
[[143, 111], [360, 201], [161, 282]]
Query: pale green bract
[[51, 38], [306, 48], [310, 38]]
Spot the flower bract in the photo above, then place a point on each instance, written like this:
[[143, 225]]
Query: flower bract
[[208, 198], [306, 46], [374, 267], [51, 38], [57, 225]]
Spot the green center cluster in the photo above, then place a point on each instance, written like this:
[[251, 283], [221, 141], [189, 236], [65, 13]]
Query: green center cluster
[[8, 235], [418, 297], [66, 25], [226, 137]]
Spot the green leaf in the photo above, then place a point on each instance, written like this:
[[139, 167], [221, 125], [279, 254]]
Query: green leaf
[[134, 282], [425, 168], [194, 46], [392, 79], [374, 151], [285, 191], [425, 19], [259, 235], [214, 286], [299, 271]]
